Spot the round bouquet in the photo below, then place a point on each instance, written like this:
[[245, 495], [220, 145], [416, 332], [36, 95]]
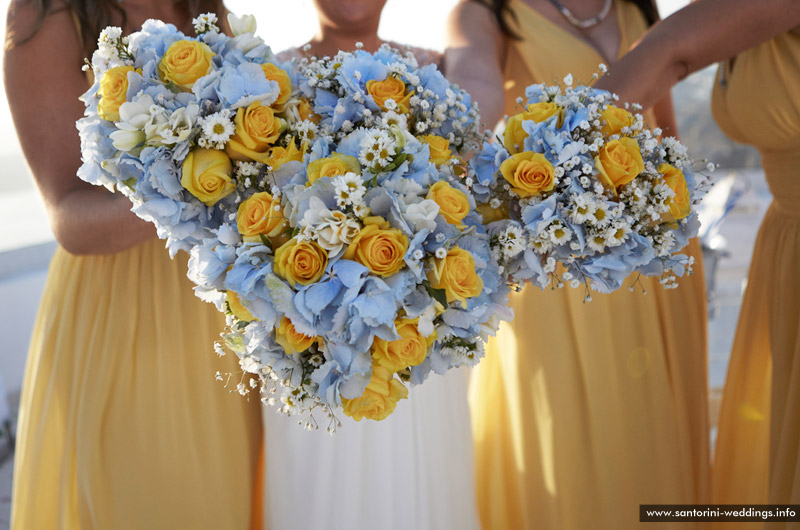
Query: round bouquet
[[579, 192]]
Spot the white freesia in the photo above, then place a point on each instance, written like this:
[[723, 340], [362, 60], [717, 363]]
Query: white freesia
[[242, 25], [247, 42], [175, 129], [133, 117], [422, 215], [334, 229], [336, 232]]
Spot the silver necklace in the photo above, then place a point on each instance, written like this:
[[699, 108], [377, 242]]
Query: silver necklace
[[583, 24]]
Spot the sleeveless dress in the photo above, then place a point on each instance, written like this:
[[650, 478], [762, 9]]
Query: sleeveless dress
[[413, 470], [757, 457], [581, 412], [122, 424]]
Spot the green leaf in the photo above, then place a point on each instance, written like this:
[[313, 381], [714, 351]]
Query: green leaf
[[266, 242], [397, 162], [440, 295], [131, 182], [234, 342]]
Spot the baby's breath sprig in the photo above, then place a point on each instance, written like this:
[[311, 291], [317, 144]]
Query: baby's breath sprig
[[205, 23]]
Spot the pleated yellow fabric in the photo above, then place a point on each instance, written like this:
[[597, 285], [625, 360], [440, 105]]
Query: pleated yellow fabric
[[122, 425], [757, 457], [581, 412]]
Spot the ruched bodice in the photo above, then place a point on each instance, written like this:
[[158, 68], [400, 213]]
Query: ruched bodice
[[756, 100]]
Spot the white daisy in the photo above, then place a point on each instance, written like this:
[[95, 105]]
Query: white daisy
[[216, 129], [349, 189], [513, 241]]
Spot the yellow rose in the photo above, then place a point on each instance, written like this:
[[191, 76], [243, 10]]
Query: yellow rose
[[456, 274], [306, 111], [379, 248], [390, 88], [300, 262], [257, 128], [292, 340], [409, 350], [260, 215], [490, 215], [206, 173], [113, 92], [279, 75], [439, 147], [279, 156], [332, 166], [681, 204], [541, 111], [529, 173], [615, 119], [236, 307], [379, 398], [184, 62], [453, 204], [619, 162], [514, 135]]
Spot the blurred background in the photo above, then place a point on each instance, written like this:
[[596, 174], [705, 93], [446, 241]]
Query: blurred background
[[731, 215]]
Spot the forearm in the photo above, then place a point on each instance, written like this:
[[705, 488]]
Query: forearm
[[665, 117], [474, 55], [490, 103], [704, 32], [95, 221], [487, 93]]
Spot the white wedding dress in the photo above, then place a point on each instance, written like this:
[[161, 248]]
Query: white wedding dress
[[413, 470]]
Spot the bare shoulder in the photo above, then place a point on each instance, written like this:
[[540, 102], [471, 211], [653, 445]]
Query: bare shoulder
[[470, 12], [24, 22], [43, 81], [33, 36]]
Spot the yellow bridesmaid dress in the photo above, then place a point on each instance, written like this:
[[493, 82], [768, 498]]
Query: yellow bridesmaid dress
[[582, 412], [757, 458], [122, 425]]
